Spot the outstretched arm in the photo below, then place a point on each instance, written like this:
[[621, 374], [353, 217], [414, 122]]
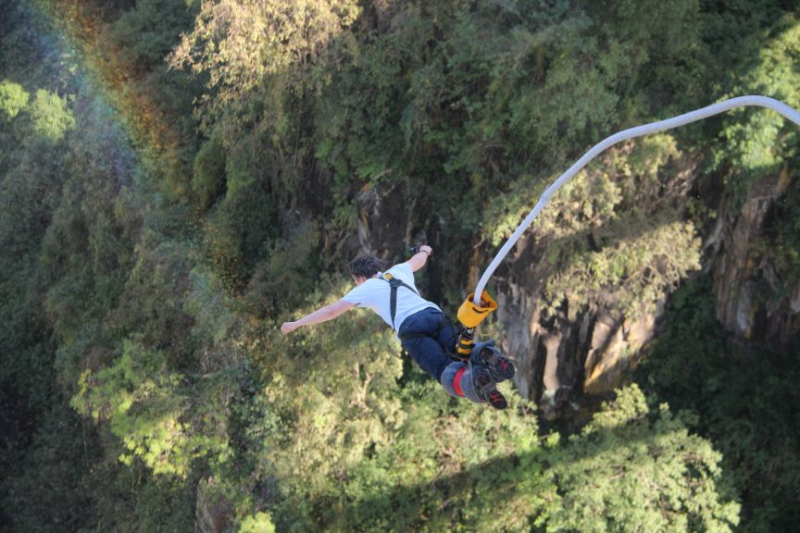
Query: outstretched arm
[[419, 259], [329, 312]]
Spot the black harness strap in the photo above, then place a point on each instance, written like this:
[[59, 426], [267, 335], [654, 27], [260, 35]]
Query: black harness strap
[[395, 283]]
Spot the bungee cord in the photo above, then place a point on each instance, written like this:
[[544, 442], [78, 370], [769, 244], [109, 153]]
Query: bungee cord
[[631, 133]]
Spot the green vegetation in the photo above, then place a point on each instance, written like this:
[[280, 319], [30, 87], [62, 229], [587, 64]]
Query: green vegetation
[[177, 178], [646, 470], [741, 403], [13, 99]]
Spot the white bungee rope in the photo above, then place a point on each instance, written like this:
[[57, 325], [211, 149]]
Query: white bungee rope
[[639, 131]]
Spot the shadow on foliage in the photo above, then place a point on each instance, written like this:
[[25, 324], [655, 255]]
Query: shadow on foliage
[[514, 488]]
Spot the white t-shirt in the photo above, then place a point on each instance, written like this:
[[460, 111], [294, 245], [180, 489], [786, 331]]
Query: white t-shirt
[[375, 294]]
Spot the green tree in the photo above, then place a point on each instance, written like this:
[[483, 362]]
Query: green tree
[[631, 469], [50, 115], [13, 99], [257, 523], [746, 409], [147, 409]]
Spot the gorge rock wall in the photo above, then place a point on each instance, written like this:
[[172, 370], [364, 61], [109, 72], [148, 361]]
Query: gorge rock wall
[[753, 303], [567, 360]]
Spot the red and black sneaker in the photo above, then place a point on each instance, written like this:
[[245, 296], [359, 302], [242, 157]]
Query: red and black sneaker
[[486, 388], [500, 366]]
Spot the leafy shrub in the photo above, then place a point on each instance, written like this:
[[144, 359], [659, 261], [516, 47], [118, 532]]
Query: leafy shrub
[[630, 469], [13, 99], [50, 116]]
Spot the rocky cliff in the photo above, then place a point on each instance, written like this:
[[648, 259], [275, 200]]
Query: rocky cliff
[[567, 360], [753, 302]]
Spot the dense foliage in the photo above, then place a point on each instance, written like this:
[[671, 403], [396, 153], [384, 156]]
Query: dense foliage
[[178, 177], [752, 420]]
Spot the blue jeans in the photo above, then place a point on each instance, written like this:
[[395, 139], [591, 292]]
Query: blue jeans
[[429, 351]]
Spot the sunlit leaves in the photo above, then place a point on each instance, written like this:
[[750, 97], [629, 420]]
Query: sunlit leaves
[[50, 116], [13, 99], [148, 409], [755, 143], [257, 523], [630, 468], [239, 43], [638, 268]]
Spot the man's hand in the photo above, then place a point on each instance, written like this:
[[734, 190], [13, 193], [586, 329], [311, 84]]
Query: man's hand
[[420, 258], [289, 327]]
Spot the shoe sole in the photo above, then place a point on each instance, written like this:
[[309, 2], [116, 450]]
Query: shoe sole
[[489, 391], [501, 367]]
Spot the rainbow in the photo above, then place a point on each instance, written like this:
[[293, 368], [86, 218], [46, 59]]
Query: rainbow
[[80, 27]]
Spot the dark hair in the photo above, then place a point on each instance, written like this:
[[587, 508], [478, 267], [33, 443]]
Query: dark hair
[[365, 266]]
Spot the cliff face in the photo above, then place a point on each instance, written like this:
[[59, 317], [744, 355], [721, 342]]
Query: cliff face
[[744, 273], [562, 359], [566, 360]]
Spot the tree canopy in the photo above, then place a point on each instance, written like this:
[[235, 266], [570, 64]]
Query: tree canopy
[[177, 178]]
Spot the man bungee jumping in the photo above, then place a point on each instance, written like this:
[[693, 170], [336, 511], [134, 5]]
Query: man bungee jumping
[[421, 326]]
